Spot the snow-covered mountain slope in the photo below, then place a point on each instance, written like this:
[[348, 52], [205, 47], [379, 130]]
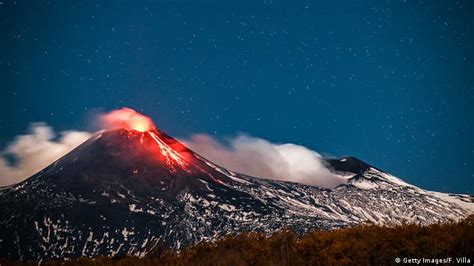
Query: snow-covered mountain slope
[[124, 192]]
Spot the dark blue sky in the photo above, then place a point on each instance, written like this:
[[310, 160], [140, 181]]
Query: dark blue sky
[[390, 82]]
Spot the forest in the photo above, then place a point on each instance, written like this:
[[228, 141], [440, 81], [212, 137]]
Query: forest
[[366, 244]]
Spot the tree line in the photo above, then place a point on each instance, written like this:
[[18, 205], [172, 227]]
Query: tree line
[[361, 245]]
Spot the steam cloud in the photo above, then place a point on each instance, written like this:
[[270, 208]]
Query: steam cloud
[[244, 154], [261, 158], [125, 118], [36, 150]]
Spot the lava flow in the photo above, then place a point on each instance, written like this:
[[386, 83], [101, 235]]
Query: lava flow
[[173, 154]]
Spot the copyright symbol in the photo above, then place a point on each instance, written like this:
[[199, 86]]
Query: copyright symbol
[[397, 260]]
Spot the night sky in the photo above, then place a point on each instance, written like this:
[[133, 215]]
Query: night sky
[[389, 82]]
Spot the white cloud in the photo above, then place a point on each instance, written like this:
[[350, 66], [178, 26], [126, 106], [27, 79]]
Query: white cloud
[[36, 150], [261, 158]]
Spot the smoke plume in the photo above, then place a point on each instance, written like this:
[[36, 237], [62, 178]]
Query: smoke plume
[[261, 158], [125, 118]]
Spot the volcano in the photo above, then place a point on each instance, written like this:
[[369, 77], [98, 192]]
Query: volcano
[[129, 190]]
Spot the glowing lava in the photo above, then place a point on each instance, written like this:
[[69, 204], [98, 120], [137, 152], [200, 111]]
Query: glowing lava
[[140, 125], [169, 151], [171, 156], [127, 118]]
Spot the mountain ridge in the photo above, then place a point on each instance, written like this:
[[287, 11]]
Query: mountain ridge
[[123, 192]]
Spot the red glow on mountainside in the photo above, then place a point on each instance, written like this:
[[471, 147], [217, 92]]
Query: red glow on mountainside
[[169, 151], [148, 138], [172, 157], [127, 118]]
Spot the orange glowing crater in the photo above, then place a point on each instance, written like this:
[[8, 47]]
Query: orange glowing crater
[[127, 118]]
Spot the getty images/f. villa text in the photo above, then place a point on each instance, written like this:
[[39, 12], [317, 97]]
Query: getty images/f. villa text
[[436, 260]]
